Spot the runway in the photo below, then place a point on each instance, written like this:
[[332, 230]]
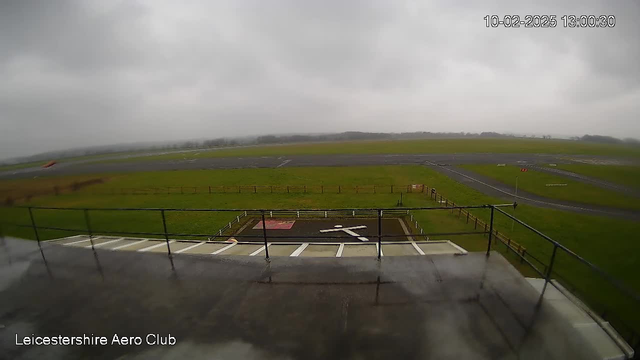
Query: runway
[[83, 167], [444, 163]]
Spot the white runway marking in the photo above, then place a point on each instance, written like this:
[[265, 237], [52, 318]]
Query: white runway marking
[[130, 244], [299, 250], [415, 246], [79, 241], [189, 247], [224, 248], [156, 245], [340, 250], [348, 231], [259, 250], [104, 243], [284, 163]]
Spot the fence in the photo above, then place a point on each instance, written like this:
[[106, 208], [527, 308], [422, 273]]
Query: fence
[[465, 215], [549, 270], [10, 196], [265, 189]]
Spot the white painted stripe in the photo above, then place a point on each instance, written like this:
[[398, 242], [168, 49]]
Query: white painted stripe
[[462, 251], [299, 250], [406, 231], [224, 248], [284, 163], [64, 238], [340, 249], [415, 246], [344, 229], [105, 243], [189, 247], [79, 241], [259, 250], [381, 253], [156, 245], [130, 244]]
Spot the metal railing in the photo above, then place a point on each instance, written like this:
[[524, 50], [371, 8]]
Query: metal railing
[[545, 270]]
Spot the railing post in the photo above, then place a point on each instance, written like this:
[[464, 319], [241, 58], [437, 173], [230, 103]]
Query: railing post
[[264, 234], [209, 189], [490, 232], [547, 277], [86, 220], [166, 236], [33, 224], [379, 234]]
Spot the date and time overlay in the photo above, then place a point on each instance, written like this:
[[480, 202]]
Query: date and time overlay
[[550, 21]]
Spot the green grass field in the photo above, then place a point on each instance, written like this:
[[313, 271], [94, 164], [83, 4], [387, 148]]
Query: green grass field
[[535, 182], [413, 147], [620, 174], [21, 166], [609, 243]]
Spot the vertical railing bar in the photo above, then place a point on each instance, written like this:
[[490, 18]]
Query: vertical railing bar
[[86, 220], [379, 234], [166, 235], [490, 231], [35, 228], [264, 233]]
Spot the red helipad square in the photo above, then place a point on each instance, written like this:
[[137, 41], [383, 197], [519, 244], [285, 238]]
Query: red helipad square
[[276, 224]]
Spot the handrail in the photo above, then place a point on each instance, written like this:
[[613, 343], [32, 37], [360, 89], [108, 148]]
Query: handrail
[[620, 286]]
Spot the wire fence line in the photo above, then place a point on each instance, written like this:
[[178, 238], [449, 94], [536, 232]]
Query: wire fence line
[[466, 216], [10, 196], [263, 189]]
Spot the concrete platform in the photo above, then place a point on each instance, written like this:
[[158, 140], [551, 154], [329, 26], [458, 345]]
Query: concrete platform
[[242, 307], [322, 249], [606, 341]]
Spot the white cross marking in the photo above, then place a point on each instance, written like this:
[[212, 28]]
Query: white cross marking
[[348, 231]]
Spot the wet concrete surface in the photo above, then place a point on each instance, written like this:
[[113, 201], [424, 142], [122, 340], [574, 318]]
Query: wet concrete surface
[[498, 189], [72, 168], [414, 307]]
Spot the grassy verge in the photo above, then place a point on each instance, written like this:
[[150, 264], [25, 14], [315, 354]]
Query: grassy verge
[[621, 174], [22, 166], [413, 147], [609, 243], [535, 183]]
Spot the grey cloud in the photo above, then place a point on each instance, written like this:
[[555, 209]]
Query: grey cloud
[[78, 73]]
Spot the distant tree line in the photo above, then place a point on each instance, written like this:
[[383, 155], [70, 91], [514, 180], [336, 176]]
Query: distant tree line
[[606, 139], [294, 138]]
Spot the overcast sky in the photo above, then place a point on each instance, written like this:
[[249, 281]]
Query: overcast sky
[[81, 73]]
